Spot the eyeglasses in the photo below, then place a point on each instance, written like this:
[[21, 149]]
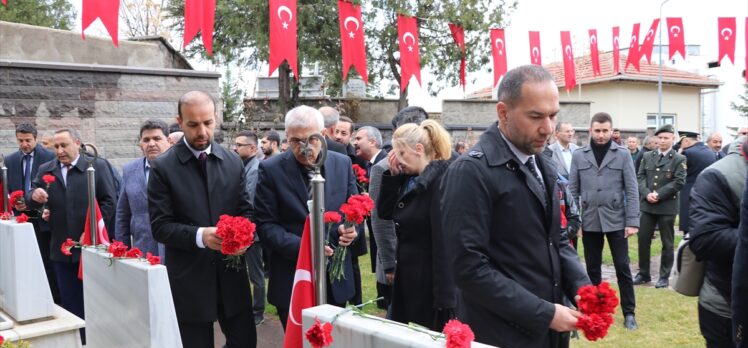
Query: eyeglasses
[[296, 141]]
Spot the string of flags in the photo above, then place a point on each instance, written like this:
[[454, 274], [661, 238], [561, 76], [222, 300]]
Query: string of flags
[[199, 16]]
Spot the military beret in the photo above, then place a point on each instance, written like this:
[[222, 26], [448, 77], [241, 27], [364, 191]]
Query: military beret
[[687, 134], [665, 128]]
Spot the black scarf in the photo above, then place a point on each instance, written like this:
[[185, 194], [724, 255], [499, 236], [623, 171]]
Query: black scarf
[[599, 150]]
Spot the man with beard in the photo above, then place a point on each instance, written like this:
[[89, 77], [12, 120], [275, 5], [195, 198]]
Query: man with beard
[[270, 144], [714, 142]]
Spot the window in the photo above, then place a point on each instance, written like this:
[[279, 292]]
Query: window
[[655, 121]]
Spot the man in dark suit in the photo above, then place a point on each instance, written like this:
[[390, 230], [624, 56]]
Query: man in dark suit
[[512, 284], [189, 188], [698, 157], [66, 203], [283, 189], [331, 117], [133, 222], [23, 165]]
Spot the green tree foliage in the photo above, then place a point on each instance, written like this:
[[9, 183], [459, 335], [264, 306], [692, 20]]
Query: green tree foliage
[[56, 14], [233, 97], [742, 108]]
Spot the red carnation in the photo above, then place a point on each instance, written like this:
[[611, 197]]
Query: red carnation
[[6, 216], [459, 335], [134, 253], [22, 218], [16, 197], [48, 179], [65, 248], [595, 326], [2, 339], [117, 249], [332, 217], [361, 179], [237, 233], [597, 299], [364, 201], [154, 260], [319, 335]]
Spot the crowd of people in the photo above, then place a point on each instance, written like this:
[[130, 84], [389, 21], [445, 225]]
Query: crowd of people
[[439, 237]]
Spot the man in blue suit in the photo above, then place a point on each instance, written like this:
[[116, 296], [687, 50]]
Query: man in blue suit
[[22, 168], [283, 189], [132, 221]]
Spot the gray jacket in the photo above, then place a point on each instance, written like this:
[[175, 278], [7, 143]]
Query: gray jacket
[[558, 157], [250, 175], [383, 230], [608, 193]]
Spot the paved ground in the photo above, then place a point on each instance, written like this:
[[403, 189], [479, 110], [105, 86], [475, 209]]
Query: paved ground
[[269, 334]]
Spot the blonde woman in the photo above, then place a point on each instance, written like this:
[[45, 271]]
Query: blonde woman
[[424, 289]]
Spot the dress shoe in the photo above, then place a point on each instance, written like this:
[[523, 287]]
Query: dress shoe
[[259, 319], [629, 322], [640, 279], [662, 283]]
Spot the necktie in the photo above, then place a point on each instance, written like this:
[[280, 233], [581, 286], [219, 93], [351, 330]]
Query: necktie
[[27, 173], [368, 169], [531, 166], [203, 158]]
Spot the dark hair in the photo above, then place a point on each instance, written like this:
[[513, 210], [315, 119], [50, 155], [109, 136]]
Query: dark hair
[[347, 119], [218, 136], [188, 98], [26, 128], [285, 141], [154, 124], [273, 136], [410, 114], [510, 88], [601, 117], [459, 145], [249, 135], [174, 127], [615, 129]]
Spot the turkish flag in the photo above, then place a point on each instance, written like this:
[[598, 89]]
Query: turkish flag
[[199, 15], [458, 33], [633, 57], [648, 44], [102, 237], [570, 76], [352, 39], [407, 33], [283, 35], [302, 291], [535, 48], [107, 11], [594, 53], [498, 48], [616, 50], [727, 28], [676, 37]]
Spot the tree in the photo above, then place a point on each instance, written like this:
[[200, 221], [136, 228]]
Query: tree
[[743, 108], [143, 18], [233, 97], [55, 14]]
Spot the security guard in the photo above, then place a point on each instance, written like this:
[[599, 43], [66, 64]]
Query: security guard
[[698, 157], [661, 176]]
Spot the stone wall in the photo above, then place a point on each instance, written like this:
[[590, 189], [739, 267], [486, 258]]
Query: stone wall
[[105, 103]]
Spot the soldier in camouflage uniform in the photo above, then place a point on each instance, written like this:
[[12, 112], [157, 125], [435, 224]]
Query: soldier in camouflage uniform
[[661, 176]]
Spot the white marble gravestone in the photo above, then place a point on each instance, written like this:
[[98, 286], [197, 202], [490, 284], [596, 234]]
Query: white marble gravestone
[[351, 330], [61, 330], [130, 295], [24, 290]]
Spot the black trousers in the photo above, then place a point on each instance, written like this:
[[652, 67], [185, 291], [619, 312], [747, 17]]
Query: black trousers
[[71, 290], [356, 300], [43, 239], [619, 248], [716, 330], [384, 291], [239, 330], [667, 235]]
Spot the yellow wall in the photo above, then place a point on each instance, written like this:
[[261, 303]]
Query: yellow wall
[[630, 102]]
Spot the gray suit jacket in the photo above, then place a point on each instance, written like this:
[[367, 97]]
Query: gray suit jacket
[[133, 220], [558, 157], [384, 230], [250, 175], [609, 193]]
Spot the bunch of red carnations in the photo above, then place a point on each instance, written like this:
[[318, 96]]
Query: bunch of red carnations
[[355, 210], [597, 304], [237, 233]]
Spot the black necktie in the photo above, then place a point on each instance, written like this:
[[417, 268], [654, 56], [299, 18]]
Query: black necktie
[[368, 169], [203, 158], [531, 166], [27, 173]]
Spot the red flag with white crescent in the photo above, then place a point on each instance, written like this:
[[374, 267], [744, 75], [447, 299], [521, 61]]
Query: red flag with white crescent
[[676, 37], [727, 28], [458, 34], [498, 48], [535, 48], [594, 53], [283, 35], [102, 237], [616, 50], [302, 291], [648, 44], [199, 15], [633, 57], [107, 11], [352, 39], [410, 65], [570, 76]]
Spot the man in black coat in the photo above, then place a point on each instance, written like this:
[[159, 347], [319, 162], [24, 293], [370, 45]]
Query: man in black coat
[[23, 165], [740, 277], [189, 188], [512, 276], [698, 157], [66, 203]]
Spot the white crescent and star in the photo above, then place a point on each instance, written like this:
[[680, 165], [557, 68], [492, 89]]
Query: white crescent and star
[[726, 36], [498, 42], [675, 30], [634, 40], [285, 9], [301, 275], [412, 38], [593, 40], [567, 49], [615, 41], [650, 34], [351, 33]]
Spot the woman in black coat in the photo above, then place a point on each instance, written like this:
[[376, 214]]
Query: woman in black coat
[[424, 288]]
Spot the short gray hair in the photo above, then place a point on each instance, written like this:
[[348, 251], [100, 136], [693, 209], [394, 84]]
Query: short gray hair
[[510, 88], [709, 138], [330, 115], [649, 139], [373, 133], [304, 116], [73, 133], [561, 124]]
